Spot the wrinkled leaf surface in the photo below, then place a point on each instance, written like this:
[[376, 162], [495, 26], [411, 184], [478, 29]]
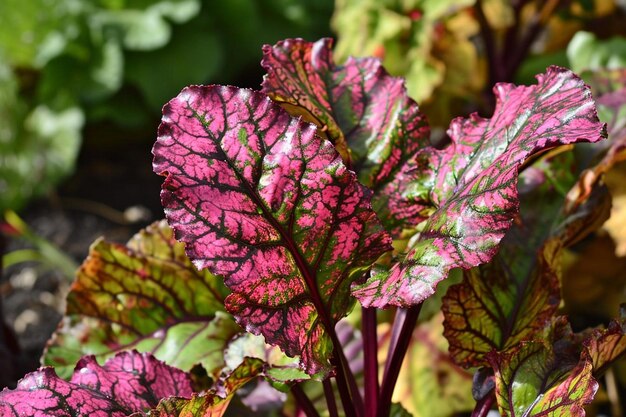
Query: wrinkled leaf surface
[[511, 298], [260, 199], [359, 104], [532, 380], [472, 183], [128, 383], [211, 403]]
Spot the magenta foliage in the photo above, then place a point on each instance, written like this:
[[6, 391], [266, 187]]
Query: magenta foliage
[[472, 183], [261, 200], [128, 383], [359, 103], [366, 113]]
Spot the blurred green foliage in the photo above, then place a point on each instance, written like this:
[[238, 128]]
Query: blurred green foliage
[[587, 52], [68, 63]]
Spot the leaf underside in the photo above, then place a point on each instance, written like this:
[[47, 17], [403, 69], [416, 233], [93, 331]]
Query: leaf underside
[[472, 183], [511, 299], [260, 199]]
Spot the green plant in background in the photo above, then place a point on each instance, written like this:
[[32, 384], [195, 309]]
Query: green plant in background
[[68, 63]]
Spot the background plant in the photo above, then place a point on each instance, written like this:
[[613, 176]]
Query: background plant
[[67, 63], [502, 319]]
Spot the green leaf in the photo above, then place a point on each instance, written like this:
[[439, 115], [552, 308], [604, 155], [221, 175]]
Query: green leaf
[[398, 411], [532, 379], [608, 345], [144, 29], [38, 146], [586, 52], [190, 66], [281, 370], [32, 32], [145, 296], [213, 402]]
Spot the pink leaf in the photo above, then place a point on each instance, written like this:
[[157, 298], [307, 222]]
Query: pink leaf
[[358, 102], [261, 200], [130, 382], [364, 111], [472, 183]]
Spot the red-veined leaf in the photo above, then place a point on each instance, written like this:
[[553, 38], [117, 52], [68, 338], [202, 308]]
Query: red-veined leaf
[[365, 112], [128, 383], [359, 103], [609, 86], [533, 380], [511, 298], [554, 376], [472, 183], [261, 200], [608, 345]]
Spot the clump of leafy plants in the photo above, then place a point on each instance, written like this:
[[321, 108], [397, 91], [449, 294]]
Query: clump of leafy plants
[[309, 224], [77, 64]]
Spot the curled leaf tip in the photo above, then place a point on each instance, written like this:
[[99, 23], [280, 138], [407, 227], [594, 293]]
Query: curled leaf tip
[[473, 182]]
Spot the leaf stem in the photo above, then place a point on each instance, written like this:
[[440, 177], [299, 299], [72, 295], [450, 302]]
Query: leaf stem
[[483, 406], [493, 58], [303, 401], [347, 400], [346, 382], [403, 326], [370, 359], [534, 28], [330, 398]]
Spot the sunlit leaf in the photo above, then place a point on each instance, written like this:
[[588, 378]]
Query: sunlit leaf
[[258, 198], [130, 382], [608, 345], [359, 103], [511, 298], [609, 88], [472, 183]]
